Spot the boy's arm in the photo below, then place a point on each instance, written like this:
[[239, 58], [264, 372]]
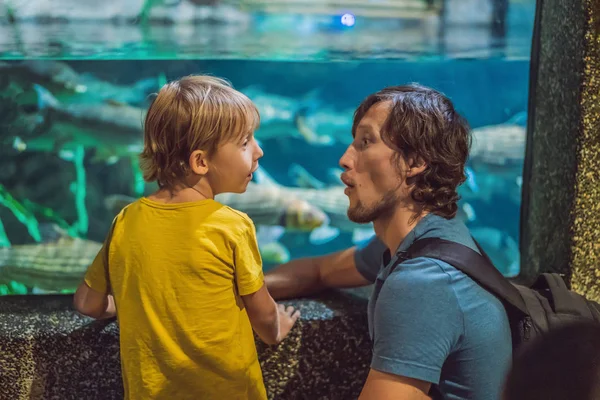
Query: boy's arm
[[94, 304], [270, 321], [263, 315], [93, 297]]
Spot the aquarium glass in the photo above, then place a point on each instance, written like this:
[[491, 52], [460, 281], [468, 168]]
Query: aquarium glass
[[75, 79]]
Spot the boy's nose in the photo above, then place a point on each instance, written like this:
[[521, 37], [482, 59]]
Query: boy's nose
[[259, 152]]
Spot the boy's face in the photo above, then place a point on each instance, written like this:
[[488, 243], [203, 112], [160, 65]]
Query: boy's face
[[232, 165]]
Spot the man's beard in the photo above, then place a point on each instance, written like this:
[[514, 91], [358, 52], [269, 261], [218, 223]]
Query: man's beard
[[363, 214]]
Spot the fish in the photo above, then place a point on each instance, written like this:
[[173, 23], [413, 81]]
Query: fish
[[466, 212], [334, 175], [54, 265], [56, 75], [111, 130], [275, 108], [303, 178], [68, 85], [329, 199], [25, 128], [268, 232], [17, 123], [274, 253], [500, 146], [500, 149], [280, 115], [60, 262], [271, 250], [496, 159], [136, 94], [491, 185], [269, 206], [336, 124], [305, 124]]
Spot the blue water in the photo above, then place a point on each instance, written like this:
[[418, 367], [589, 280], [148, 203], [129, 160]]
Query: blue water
[[487, 88]]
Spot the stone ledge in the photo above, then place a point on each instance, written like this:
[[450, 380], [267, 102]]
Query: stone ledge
[[48, 351]]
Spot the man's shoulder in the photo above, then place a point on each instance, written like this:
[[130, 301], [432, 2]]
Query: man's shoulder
[[453, 230], [429, 279], [422, 277]]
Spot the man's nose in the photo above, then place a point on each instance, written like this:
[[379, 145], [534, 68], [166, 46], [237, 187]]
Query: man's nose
[[346, 159]]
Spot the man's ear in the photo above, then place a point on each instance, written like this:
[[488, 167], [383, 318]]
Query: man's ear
[[415, 166], [198, 162]]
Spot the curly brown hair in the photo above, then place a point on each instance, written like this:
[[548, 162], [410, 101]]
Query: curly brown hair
[[423, 124]]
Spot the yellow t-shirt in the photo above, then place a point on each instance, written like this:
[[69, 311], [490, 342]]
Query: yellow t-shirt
[[177, 272]]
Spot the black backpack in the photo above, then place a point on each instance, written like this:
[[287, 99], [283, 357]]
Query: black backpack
[[532, 311]]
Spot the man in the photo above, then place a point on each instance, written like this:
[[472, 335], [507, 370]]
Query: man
[[434, 330]]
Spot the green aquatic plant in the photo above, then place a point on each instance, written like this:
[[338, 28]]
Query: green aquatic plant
[[22, 214], [4, 242], [48, 214], [147, 7], [17, 288], [138, 178], [79, 189], [13, 288]]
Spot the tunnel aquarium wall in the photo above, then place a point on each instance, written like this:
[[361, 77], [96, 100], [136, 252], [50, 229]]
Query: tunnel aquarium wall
[[75, 80]]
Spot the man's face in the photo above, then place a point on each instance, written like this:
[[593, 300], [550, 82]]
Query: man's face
[[374, 184]]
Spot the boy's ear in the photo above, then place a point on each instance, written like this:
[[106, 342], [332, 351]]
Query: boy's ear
[[198, 162]]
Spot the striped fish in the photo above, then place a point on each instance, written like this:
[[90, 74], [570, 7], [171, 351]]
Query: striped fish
[[265, 205], [498, 145], [51, 266], [330, 199], [271, 205]]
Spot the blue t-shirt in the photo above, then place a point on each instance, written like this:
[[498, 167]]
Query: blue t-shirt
[[430, 321]]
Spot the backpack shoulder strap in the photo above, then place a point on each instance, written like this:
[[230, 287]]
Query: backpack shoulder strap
[[477, 266]]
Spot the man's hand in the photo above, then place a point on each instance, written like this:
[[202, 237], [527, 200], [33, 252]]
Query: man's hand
[[384, 386]]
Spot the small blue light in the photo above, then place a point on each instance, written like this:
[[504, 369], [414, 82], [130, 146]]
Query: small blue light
[[348, 20]]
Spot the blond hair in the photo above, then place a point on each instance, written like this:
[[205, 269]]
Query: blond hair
[[197, 112]]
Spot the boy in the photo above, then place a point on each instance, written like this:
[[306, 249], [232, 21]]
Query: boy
[[184, 271]]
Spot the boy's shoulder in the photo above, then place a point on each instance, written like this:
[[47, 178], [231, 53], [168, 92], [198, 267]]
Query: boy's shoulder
[[235, 215], [235, 218], [220, 214]]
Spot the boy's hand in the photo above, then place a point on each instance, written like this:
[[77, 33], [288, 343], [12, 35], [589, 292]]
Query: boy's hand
[[287, 319]]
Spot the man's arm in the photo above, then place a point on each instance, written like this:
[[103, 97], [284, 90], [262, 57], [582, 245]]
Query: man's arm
[[417, 322], [384, 386], [310, 275]]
